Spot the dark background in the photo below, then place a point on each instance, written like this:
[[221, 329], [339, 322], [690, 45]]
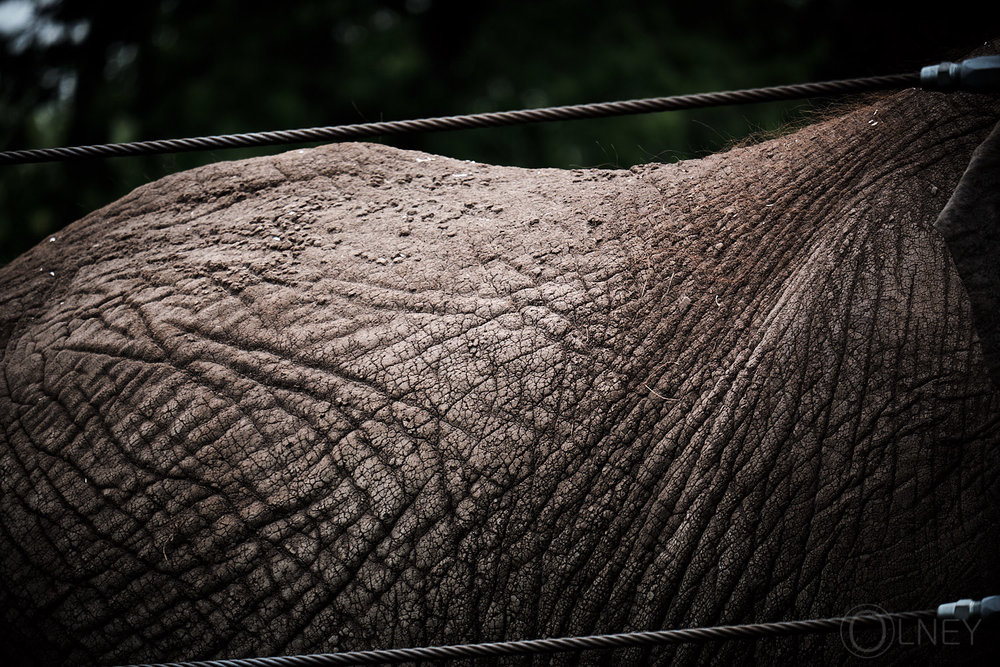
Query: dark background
[[96, 71]]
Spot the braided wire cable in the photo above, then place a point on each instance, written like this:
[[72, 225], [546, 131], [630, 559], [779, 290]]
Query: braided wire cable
[[495, 119], [560, 644]]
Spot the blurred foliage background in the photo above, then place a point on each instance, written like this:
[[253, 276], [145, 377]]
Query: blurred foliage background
[[96, 71]]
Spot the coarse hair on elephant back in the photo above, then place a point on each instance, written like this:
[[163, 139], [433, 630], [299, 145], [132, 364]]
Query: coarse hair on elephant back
[[359, 397]]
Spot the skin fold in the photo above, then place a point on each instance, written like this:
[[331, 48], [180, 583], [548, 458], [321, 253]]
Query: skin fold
[[970, 224], [358, 397]]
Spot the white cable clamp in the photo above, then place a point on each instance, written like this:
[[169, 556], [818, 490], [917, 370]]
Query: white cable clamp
[[964, 610]]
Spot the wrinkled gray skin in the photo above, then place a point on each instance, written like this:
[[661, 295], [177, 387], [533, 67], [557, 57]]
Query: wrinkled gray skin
[[359, 397]]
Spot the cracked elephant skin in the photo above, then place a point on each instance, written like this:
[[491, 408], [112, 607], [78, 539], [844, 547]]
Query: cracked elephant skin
[[359, 397]]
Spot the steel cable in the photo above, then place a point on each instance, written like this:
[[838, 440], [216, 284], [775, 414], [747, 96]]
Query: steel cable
[[496, 119], [561, 644]]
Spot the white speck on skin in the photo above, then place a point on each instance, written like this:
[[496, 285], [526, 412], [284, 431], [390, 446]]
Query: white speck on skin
[[52, 273], [52, 240], [425, 159], [659, 395], [277, 238], [458, 175]]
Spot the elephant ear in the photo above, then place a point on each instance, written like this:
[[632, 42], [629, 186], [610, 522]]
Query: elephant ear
[[970, 224]]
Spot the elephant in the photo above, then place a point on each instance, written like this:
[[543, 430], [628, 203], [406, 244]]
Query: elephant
[[356, 397]]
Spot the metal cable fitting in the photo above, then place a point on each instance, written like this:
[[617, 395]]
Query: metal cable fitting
[[974, 75], [967, 610]]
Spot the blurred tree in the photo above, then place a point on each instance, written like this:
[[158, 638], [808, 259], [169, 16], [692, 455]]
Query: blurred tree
[[95, 71]]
